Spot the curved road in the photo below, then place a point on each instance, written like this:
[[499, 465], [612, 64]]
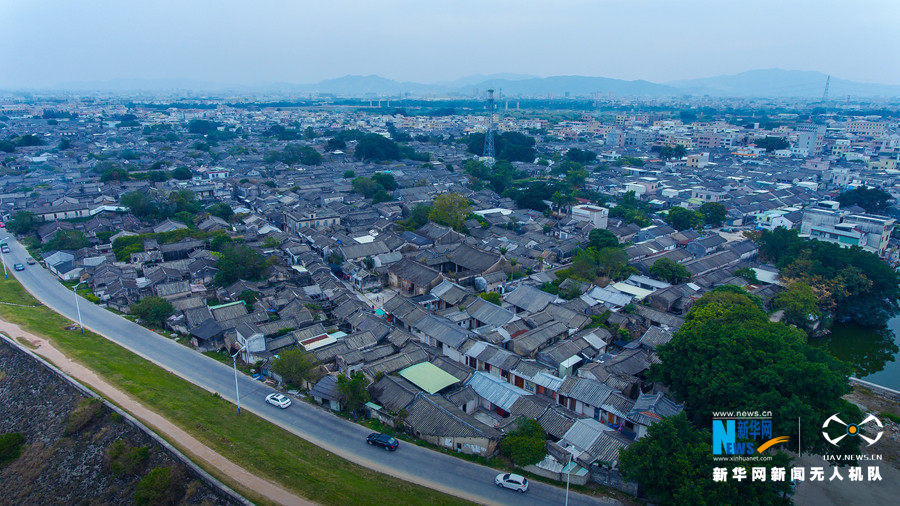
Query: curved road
[[412, 463]]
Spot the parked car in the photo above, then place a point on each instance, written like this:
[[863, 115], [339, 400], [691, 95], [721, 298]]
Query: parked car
[[30, 261], [383, 440], [19, 267], [278, 400], [512, 481]]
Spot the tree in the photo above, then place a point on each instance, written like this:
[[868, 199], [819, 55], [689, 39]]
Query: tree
[[182, 173], [184, 201], [240, 262], [335, 144], [111, 171], [293, 154], [581, 155], [153, 310], [670, 271], [873, 200], [599, 238], [385, 180], [23, 222], [353, 390], [713, 213], [67, 240], [748, 274], [510, 146], [376, 148], [728, 356], [365, 186], [7, 146], [492, 297], [349, 174], [681, 219], [201, 126], [673, 464], [525, 445], [296, 366], [770, 143], [799, 304], [221, 210], [417, 217], [450, 209]]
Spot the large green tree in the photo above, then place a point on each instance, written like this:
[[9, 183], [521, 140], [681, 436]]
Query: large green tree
[[728, 356], [670, 271], [153, 310], [240, 262], [526, 445], [376, 148], [800, 305], [296, 366], [450, 209], [713, 213], [873, 200], [353, 390], [682, 219]]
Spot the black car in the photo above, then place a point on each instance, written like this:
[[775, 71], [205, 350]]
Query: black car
[[383, 440]]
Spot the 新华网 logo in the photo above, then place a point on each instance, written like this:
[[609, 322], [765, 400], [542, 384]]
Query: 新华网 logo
[[743, 435]]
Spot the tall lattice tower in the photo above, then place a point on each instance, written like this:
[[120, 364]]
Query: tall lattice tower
[[825, 94], [488, 151]]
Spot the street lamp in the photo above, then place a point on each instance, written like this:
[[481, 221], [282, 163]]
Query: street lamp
[[568, 472], [234, 363], [77, 307]]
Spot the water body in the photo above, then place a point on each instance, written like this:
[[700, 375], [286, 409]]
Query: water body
[[871, 353]]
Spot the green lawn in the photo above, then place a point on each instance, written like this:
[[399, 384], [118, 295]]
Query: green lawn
[[248, 440]]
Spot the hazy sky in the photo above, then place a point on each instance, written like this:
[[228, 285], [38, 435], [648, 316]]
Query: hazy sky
[[45, 43]]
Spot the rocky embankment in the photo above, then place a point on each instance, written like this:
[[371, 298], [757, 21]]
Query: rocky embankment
[[75, 450]]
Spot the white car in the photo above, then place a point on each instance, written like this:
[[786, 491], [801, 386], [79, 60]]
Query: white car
[[512, 481], [278, 400]]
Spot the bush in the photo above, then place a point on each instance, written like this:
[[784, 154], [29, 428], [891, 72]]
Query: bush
[[10, 447], [82, 415], [525, 445], [162, 485], [122, 459]]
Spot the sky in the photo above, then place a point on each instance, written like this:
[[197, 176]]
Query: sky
[[48, 43]]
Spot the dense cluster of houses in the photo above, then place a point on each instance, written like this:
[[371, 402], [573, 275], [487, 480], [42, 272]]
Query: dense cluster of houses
[[409, 307]]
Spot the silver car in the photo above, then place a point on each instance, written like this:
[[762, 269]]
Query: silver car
[[278, 400], [512, 481]]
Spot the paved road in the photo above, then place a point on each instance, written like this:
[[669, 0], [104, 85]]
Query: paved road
[[423, 466]]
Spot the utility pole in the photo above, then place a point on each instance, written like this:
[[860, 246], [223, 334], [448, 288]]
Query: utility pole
[[568, 472], [237, 394], [77, 307]]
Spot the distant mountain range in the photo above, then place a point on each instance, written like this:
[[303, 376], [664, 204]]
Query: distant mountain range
[[753, 83]]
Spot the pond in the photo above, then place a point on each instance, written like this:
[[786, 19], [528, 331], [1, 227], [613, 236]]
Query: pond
[[872, 353]]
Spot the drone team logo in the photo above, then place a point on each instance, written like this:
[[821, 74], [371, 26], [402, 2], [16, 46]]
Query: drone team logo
[[852, 429]]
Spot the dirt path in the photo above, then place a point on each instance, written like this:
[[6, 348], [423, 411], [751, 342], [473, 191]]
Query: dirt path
[[195, 449]]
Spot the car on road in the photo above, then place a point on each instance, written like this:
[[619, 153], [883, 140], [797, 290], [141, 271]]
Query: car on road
[[19, 267], [511, 481], [278, 400], [30, 261], [4, 248], [383, 440]]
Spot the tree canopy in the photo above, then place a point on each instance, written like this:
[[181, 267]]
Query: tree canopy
[[510, 146], [581, 155], [670, 271], [770, 143], [850, 282], [153, 310], [240, 262], [525, 445], [450, 209], [682, 219], [713, 213], [800, 305], [729, 356], [296, 366], [873, 200], [353, 390], [293, 154], [376, 148]]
